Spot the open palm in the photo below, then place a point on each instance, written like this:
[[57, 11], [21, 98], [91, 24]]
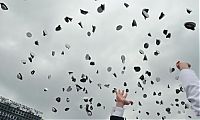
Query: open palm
[[121, 98]]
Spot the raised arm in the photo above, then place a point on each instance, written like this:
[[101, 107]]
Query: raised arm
[[118, 110], [191, 84]]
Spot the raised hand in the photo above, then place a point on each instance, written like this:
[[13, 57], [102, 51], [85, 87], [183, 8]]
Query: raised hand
[[121, 99], [182, 65]]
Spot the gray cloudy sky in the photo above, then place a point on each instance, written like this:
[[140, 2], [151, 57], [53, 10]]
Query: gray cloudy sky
[[105, 46]]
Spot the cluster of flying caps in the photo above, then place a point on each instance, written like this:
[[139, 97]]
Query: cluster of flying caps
[[78, 88], [140, 85], [123, 70], [67, 100], [159, 93], [148, 73], [87, 57], [88, 105], [32, 55], [93, 30], [146, 15], [29, 35], [30, 58], [62, 52], [146, 46], [68, 19], [125, 84], [84, 78], [89, 109], [168, 110], [3, 6], [159, 102], [156, 53], [58, 99], [179, 90], [165, 32]]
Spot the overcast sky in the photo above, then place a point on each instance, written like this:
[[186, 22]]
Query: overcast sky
[[105, 46]]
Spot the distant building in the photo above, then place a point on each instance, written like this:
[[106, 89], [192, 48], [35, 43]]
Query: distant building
[[10, 110]]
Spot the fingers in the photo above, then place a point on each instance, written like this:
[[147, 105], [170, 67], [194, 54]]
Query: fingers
[[121, 97], [131, 102], [177, 64], [122, 93], [118, 91], [125, 95], [128, 102], [182, 65]]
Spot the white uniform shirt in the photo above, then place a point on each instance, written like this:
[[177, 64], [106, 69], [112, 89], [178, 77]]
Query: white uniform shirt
[[191, 84]]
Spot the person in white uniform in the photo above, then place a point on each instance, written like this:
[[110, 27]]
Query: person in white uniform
[[191, 84], [189, 81]]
